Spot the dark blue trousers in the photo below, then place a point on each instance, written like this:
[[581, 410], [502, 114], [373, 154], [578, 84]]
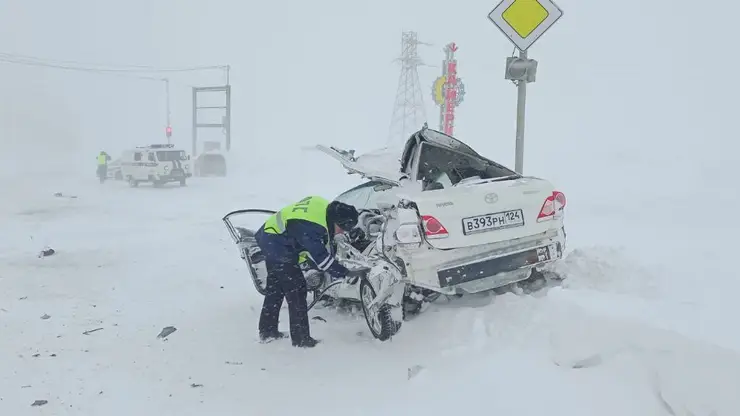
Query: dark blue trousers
[[284, 281]]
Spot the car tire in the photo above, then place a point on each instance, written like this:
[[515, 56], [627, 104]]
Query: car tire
[[132, 182], [382, 326]]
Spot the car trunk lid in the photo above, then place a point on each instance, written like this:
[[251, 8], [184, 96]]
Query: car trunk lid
[[484, 212]]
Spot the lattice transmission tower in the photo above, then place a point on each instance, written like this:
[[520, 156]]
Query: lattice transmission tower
[[408, 111]]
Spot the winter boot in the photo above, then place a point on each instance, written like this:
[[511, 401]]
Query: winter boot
[[271, 336], [307, 342]]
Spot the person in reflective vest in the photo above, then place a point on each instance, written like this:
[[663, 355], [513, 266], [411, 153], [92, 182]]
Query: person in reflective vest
[[103, 159], [305, 228]]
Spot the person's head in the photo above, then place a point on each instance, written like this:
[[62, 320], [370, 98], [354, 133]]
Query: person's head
[[341, 216]]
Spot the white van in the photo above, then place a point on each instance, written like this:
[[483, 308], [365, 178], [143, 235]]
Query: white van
[[156, 163]]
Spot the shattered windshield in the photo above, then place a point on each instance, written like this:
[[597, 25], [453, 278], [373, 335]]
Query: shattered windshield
[[449, 141], [441, 168], [170, 155]]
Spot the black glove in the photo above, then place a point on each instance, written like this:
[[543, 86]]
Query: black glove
[[356, 234]]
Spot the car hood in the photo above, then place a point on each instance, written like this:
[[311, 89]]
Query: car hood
[[380, 165]]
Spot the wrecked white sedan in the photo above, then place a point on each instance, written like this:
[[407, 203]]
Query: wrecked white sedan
[[438, 220]]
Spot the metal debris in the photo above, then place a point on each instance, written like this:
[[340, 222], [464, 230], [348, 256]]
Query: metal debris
[[166, 331], [46, 252], [39, 403], [92, 330]]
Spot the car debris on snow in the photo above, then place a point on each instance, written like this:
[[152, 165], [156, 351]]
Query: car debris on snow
[[166, 331], [91, 331], [46, 252], [196, 385], [39, 403], [45, 316]]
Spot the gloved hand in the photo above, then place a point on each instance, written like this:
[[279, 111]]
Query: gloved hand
[[356, 234]]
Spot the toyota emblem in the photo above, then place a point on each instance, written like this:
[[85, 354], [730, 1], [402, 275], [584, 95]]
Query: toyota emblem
[[491, 198]]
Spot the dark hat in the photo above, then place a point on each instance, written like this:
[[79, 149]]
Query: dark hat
[[341, 214]]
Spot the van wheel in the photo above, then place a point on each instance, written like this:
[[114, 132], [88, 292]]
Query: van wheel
[[183, 182], [132, 182]]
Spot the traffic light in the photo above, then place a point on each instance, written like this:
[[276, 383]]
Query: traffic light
[[168, 131]]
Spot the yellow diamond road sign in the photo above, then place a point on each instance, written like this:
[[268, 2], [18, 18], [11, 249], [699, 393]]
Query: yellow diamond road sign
[[524, 21]]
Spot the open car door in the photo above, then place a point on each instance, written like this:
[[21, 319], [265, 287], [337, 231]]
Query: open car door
[[355, 165], [242, 226]]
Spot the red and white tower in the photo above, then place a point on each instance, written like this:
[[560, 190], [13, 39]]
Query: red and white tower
[[448, 90]]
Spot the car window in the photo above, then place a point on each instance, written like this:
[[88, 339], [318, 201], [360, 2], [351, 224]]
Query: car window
[[441, 168], [364, 196]]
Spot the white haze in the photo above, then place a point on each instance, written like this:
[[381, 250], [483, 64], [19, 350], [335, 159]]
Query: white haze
[[633, 116]]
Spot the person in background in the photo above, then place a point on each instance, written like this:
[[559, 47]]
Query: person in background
[[103, 159]]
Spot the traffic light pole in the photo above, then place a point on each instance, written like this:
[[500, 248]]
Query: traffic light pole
[[521, 71], [168, 131], [521, 105]]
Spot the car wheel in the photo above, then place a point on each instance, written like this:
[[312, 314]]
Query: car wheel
[[380, 322], [132, 182], [183, 182]]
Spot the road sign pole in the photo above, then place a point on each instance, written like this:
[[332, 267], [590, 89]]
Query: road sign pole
[[521, 105], [523, 22]]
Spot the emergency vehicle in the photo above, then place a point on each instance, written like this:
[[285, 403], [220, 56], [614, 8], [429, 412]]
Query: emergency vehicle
[[156, 163]]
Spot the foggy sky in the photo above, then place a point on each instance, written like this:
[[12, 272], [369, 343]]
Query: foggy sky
[[647, 83]]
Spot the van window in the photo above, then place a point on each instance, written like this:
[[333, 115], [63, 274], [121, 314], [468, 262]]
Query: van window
[[170, 155], [137, 156], [151, 157]]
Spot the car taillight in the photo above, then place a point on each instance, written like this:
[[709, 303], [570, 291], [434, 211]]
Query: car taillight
[[433, 228], [552, 207]]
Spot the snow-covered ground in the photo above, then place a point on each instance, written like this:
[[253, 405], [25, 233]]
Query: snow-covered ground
[[628, 117], [644, 325]]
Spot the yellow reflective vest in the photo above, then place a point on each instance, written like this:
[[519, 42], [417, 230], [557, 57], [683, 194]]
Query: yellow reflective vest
[[310, 208]]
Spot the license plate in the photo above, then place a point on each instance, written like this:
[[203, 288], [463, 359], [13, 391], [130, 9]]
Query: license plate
[[492, 222]]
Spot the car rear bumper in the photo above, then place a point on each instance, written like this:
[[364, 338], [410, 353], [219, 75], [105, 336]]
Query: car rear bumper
[[481, 268]]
